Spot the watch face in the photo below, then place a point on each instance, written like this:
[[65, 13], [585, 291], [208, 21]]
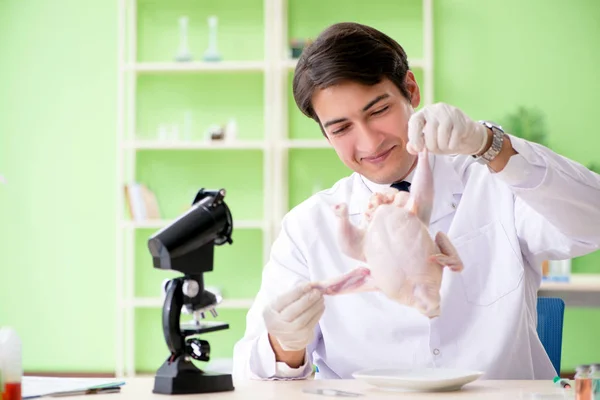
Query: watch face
[[491, 124]]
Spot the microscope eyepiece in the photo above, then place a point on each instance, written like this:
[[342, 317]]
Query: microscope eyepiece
[[186, 244]]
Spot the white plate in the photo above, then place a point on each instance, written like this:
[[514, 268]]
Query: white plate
[[421, 379]]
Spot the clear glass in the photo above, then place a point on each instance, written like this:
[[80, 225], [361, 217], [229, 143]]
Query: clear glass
[[559, 270], [595, 375]]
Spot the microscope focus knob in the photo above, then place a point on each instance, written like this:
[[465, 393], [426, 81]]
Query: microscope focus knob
[[198, 349], [190, 288]]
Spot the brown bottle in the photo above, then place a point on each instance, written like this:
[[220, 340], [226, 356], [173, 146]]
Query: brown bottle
[[583, 383]]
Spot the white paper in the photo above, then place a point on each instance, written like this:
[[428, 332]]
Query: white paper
[[35, 386]]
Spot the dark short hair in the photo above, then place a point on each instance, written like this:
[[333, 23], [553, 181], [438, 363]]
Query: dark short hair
[[348, 51]]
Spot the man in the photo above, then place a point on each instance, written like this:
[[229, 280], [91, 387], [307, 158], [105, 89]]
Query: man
[[506, 204]]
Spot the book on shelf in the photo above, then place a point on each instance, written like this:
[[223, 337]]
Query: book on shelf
[[141, 202]]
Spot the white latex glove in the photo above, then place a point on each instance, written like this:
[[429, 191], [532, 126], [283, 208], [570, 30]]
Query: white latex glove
[[291, 318], [444, 129]]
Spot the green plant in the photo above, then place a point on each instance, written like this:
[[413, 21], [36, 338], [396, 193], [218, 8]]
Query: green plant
[[530, 124], [527, 123]]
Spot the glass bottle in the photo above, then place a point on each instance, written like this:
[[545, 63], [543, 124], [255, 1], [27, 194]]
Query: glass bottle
[[595, 376]]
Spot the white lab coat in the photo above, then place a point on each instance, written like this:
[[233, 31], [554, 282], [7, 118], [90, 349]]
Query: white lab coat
[[541, 206]]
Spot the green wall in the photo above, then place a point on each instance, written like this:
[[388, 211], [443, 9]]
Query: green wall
[[57, 144], [57, 152]]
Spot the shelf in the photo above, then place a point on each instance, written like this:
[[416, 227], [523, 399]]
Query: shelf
[[290, 63], [157, 302], [577, 283], [198, 66], [307, 144], [157, 224], [195, 145], [582, 290], [416, 63]]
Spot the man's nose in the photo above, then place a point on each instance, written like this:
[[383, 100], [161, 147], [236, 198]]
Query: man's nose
[[369, 140]]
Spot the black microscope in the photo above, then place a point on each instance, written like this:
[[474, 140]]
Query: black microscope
[[187, 245]]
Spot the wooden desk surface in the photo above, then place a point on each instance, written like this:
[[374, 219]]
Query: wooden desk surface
[[141, 388]]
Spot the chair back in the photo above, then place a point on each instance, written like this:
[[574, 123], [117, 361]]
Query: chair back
[[551, 311]]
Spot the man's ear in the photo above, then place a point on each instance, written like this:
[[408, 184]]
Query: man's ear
[[413, 88]]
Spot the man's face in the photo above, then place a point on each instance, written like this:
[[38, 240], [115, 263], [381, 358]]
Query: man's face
[[367, 126]]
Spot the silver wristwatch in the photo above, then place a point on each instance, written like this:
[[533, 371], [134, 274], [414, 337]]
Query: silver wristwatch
[[497, 140]]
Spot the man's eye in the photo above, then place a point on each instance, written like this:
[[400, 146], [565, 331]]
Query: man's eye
[[340, 130], [380, 110]]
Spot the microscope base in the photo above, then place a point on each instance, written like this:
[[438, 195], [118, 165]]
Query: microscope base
[[183, 377]]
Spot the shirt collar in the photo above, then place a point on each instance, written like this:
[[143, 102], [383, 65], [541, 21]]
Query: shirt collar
[[380, 187]]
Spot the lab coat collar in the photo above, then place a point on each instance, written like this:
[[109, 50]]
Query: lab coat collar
[[446, 183]]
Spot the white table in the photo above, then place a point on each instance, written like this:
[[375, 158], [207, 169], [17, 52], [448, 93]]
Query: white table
[[583, 290], [141, 388]]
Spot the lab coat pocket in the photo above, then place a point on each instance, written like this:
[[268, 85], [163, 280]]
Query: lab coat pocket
[[492, 269]]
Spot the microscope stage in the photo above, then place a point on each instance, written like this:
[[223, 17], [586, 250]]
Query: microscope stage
[[192, 328]]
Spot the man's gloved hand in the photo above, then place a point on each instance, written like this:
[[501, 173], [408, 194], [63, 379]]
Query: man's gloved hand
[[292, 317], [444, 129]]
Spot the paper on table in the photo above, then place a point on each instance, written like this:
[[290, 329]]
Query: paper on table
[[38, 386]]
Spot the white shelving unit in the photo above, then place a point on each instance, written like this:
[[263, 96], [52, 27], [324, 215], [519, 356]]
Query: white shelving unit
[[198, 66], [196, 145], [160, 223], [275, 146], [128, 145]]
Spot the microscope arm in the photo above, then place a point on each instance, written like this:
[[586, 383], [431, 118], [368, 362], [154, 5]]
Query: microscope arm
[[170, 318]]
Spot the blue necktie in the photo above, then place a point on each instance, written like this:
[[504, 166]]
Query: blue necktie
[[402, 186]]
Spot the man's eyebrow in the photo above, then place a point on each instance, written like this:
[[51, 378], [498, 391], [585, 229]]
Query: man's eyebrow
[[375, 101], [365, 108], [334, 121]]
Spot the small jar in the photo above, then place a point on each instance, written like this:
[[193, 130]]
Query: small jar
[[11, 370]]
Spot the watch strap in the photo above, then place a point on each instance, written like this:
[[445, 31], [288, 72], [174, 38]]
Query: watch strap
[[497, 140]]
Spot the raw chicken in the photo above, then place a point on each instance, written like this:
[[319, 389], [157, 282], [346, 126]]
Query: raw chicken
[[401, 259]]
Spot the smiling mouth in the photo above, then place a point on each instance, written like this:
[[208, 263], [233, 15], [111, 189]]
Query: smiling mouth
[[379, 157]]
